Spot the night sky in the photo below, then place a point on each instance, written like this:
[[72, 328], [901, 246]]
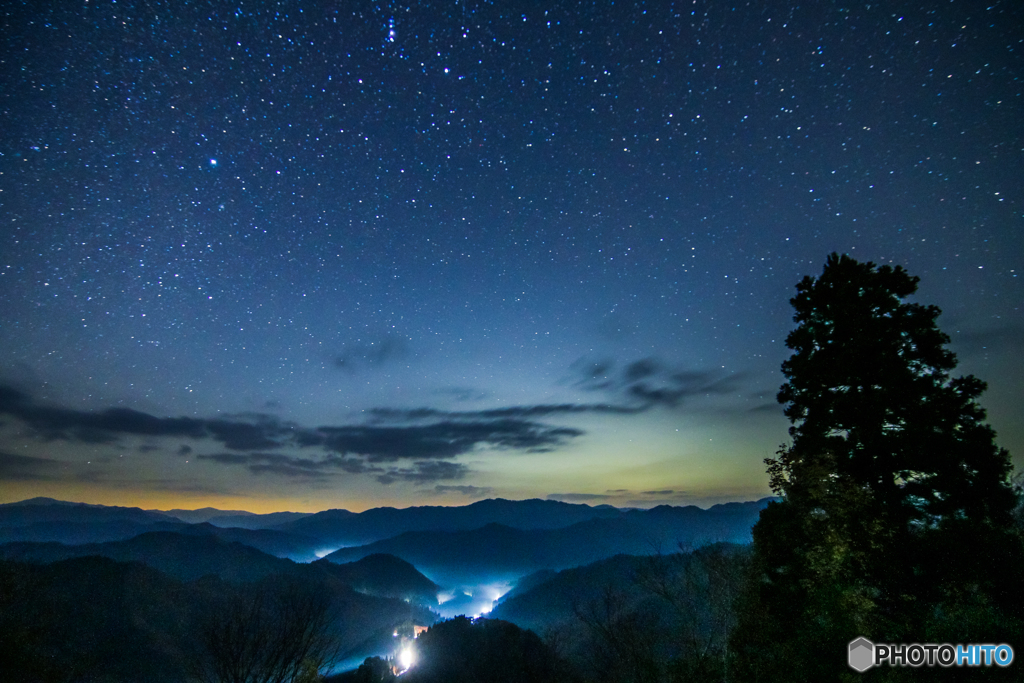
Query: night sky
[[303, 255]]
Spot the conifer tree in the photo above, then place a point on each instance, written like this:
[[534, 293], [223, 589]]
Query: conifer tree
[[895, 518]]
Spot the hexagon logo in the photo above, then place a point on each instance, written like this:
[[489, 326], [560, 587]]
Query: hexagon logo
[[861, 654]]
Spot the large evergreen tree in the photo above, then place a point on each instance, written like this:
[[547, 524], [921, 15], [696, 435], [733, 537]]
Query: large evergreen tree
[[895, 518]]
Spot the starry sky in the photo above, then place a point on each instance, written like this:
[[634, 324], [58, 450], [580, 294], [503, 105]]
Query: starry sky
[[303, 255]]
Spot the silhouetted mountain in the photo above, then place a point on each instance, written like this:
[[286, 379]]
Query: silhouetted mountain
[[277, 543], [249, 520], [43, 500], [45, 515], [466, 651], [41, 520], [203, 514], [498, 552], [531, 535], [234, 518], [529, 582], [665, 615], [550, 602], [37, 510], [463, 650], [74, 533], [387, 576], [92, 618], [72, 620], [344, 528], [182, 556]]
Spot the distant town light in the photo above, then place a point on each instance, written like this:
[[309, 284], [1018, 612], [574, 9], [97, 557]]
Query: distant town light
[[406, 658]]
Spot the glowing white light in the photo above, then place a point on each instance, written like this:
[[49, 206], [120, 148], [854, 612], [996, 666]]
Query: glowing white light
[[406, 658], [213, 162]]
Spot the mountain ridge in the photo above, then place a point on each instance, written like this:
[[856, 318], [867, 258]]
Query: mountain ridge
[[500, 553]]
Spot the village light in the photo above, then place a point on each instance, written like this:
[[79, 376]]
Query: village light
[[406, 657]]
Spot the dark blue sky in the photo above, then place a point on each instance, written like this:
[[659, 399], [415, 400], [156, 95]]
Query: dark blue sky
[[310, 255]]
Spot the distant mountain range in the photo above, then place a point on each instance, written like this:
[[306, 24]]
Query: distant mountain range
[[46, 519], [205, 514], [549, 598], [342, 528], [185, 557], [197, 554], [248, 520], [88, 525], [497, 552], [488, 541], [395, 568], [234, 518], [386, 576], [38, 510]]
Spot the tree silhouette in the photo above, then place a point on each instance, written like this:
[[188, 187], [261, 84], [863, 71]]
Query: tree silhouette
[[624, 638], [700, 587], [896, 506], [463, 650], [278, 630], [372, 670], [869, 382]]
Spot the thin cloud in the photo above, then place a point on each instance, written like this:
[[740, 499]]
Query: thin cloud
[[441, 439], [261, 443], [172, 485], [445, 439], [462, 394], [425, 471], [54, 423], [355, 357], [465, 490], [514, 412], [14, 467], [649, 382], [655, 502], [288, 466], [641, 369], [578, 497], [767, 407], [230, 458], [265, 432], [592, 374]]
